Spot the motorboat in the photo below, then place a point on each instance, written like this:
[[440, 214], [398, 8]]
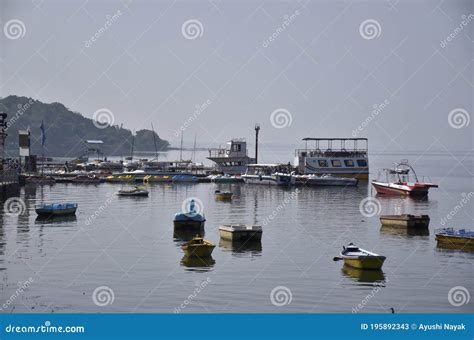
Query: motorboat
[[402, 180], [325, 180], [188, 178], [240, 232], [189, 219], [135, 192], [405, 221], [269, 174], [356, 257], [56, 209], [198, 247], [226, 179]]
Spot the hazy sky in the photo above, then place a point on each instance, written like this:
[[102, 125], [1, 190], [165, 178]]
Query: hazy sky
[[322, 64]]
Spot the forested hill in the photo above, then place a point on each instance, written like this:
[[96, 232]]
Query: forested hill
[[66, 131]]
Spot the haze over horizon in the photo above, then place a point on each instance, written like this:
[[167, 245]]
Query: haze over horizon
[[378, 69]]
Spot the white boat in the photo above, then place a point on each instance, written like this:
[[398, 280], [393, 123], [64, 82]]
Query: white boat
[[240, 232], [348, 158], [233, 158], [268, 174], [325, 180], [356, 257]]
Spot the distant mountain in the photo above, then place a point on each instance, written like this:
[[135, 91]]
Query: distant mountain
[[66, 131]]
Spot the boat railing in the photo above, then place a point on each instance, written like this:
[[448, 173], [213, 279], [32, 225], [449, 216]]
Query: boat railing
[[222, 152], [349, 153]]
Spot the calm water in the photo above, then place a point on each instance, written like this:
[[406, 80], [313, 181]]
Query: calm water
[[130, 248]]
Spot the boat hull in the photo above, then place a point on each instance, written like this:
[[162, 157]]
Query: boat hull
[[48, 212], [455, 241], [365, 262], [224, 196], [269, 180], [188, 224], [400, 189], [241, 235], [201, 250], [405, 221]]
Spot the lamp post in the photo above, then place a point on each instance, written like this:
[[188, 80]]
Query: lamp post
[[257, 129]]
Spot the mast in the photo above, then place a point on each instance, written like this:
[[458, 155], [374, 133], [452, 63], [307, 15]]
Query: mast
[[154, 141], [133, 143], [194, 149], [257, 129], [181, 148]]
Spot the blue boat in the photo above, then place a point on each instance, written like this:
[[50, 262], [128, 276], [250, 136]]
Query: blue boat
[[56, 209], [191, 219], [187, 178]]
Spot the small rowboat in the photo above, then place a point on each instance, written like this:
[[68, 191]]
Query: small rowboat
[[360, 258], [135, 192], [56, 209], [240, 232], [405, 221], [198, 247], [456, 239], [223, 195]]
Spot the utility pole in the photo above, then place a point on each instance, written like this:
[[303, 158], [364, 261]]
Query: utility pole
[[257, 129]]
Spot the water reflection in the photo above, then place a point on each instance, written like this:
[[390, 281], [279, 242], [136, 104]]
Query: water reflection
[[187, 234], [453, 248], [361, 275], [51, 220], [419, 231], [241, 247], [202, 264]]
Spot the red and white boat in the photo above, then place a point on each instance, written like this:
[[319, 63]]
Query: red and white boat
[[402, 180]]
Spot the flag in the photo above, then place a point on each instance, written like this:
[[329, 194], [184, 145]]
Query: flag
[[43, 135]]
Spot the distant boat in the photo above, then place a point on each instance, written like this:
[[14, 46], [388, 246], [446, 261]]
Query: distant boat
[[185, 178], [405, 221], [360, 258], [157, 179], [223, 195], [398, 182], [189, 219], [240, 232], [135, 192], [56, 209], [455, 239], [39, 180], [226, 179], [325, 180], [86, 179], [198, 247], [269, 174]]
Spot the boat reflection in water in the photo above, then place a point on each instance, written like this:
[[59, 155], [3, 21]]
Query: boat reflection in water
[[198, 263], [420, 231], [187, 234], [241, 247], [55, 219], [362, 275]]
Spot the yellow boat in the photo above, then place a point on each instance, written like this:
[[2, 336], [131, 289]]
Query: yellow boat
[[363, 275], [356, 257], [157, 179], [455, 239], [198, 247], [223, 195]]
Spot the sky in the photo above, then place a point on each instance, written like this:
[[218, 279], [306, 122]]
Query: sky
[[397, 72]]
